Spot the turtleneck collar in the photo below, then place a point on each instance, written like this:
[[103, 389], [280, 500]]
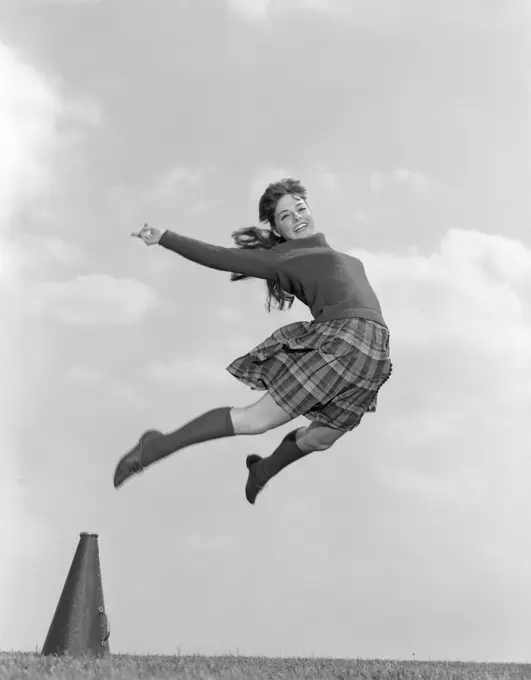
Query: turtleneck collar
[[317, 239]]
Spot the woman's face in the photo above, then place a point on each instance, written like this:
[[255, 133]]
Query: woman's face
[[293, 218]]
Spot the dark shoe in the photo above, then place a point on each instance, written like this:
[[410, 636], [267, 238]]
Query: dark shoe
[[255, 481], [131, 463]]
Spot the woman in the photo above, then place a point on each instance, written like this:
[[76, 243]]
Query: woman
[[329, 370]]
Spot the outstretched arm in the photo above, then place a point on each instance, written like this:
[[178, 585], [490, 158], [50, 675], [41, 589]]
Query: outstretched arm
[[262, 264]]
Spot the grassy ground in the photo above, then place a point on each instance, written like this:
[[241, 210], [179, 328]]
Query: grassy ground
[[127, 667]]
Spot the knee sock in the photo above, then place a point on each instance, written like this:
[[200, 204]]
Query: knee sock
[[211, 425], [288, 452]]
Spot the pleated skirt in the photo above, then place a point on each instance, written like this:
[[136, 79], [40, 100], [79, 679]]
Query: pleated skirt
[[329, 371]]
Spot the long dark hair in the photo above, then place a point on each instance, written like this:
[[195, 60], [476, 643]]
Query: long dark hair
[[252, 238]]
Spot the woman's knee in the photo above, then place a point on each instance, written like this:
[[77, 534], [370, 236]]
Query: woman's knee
[[318, 437], [240, 421], [260, 417]]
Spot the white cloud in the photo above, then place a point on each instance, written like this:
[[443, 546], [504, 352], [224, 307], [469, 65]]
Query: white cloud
[[123, 393], [94, 300], [74, 3], [86, 376], [417, 181], [318, 177], [175, 187], [54, 249], [376, 181], [220, 543], [453, 293], [263, 179], [194, 368], [116, 391], [260, 9], [27, 132], [460, 323], [456, 487], [330, 6], [28, 141], [329, 181], [238, 345], [251, 9], [230, 315], [82, 111], [34, 256], [389, 17], [414, 181], [174, 180]]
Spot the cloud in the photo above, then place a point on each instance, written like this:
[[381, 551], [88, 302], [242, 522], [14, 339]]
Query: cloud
[[27, 132], [219, 543], [263, 179], [453, 292], [237, 345], [75, 3], [193, 369], [322, 180], [390, 18], [82, 111], [122, 393], [86, 376], [250, 9], [28, 141], [54, 249], [32, 152], [117, 391], [177, 186], [461, 487], [261, 9], [327, 6], [329, 182], [94, 300], [35, 256], [416, 182], [461, 325], [173, 181], [230, 315]]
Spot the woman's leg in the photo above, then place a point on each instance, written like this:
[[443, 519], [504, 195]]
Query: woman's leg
[[317, 437], [226, 421], [262, 416], [294, 446]]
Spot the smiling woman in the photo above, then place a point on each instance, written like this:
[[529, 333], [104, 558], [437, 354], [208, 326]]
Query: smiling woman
[[284, 206], [329, 370]]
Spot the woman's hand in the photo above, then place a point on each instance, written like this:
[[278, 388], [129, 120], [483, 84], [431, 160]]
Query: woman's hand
[[149, 235]]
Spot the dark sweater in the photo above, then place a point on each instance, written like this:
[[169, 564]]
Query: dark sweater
[[332, 284]]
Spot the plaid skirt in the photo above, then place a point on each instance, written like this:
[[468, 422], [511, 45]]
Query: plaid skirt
[[329, 372]]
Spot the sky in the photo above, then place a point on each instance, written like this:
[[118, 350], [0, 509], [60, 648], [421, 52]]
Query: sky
[[409, 124]]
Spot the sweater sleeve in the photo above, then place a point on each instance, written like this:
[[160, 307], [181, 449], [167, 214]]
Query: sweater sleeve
[[260, 263]]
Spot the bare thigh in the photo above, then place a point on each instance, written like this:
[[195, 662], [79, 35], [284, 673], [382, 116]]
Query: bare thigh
[[317, 437], [265, 414]]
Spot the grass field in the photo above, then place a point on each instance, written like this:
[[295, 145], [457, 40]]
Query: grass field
[[32, 666]]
